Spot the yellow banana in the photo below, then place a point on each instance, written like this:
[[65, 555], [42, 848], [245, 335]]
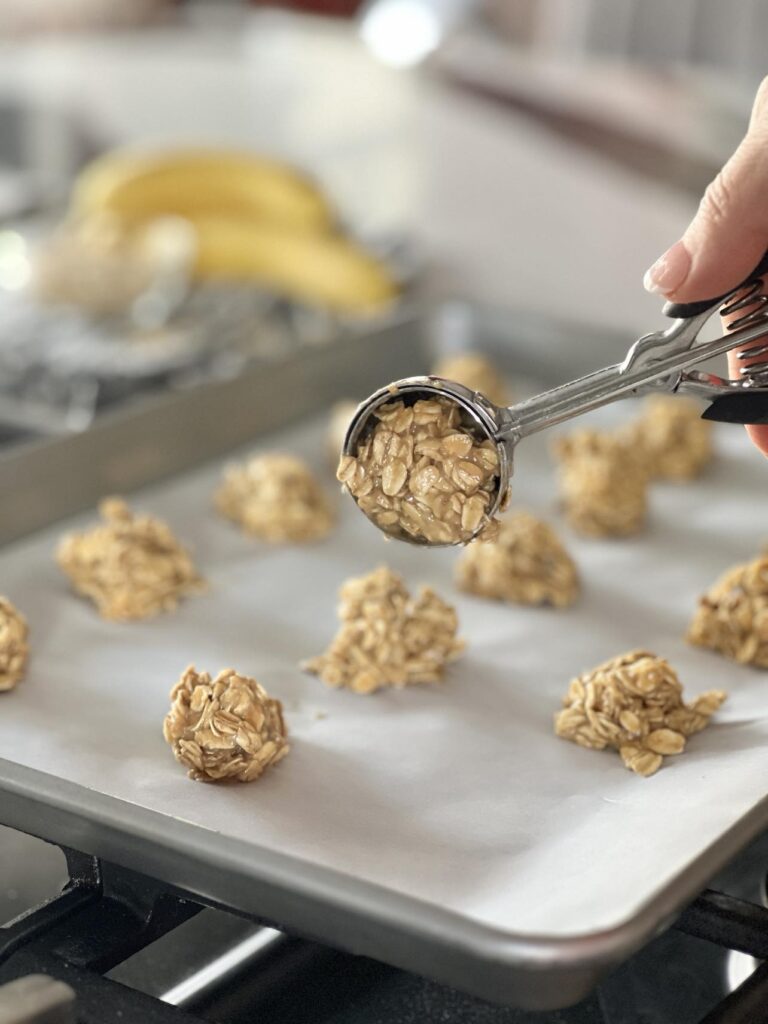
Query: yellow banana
[[193, 182], [324, 270]]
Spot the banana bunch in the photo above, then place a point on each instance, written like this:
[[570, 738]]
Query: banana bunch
[[254, 220]]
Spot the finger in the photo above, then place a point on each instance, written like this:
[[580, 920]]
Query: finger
[[728, 235], [758, 134]]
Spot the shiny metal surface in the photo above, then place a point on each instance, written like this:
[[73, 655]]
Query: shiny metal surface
[[480, 417]]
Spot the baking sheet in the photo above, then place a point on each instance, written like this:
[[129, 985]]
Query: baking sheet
[[457, 794]]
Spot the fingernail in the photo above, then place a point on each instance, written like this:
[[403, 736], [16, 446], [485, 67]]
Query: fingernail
[[669, 271]]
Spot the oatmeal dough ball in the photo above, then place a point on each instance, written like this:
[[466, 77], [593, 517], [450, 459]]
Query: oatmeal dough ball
[[603, 483], [420, 474], [226, 728], [476, 372], [131, 566], [675, 440], [340, 418], [276, 498], [633, 703], [387, 637], [14, 651], [732, 617], [526, 564]]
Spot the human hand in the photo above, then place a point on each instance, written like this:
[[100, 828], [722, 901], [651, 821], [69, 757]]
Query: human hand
[[728, 235]]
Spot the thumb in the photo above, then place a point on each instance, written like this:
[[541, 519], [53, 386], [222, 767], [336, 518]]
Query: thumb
[[728, 236]]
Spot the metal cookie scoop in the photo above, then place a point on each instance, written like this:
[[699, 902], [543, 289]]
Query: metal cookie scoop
[[660, 361]]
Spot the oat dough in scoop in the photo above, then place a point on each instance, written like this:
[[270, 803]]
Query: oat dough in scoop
[[420, 474]]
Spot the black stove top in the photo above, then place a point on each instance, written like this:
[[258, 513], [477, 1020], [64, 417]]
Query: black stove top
[[122, 942]]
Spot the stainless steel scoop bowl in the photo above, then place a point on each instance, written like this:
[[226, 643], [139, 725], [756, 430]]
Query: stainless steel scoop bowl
[[479, 417]]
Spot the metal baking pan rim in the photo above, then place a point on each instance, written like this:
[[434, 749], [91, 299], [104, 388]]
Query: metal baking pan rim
[[542, 972]]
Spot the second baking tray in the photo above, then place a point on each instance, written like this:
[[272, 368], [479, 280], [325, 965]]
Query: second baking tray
[[441, 828]]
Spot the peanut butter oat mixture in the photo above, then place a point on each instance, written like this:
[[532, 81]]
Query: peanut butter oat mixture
[[387, 637], [419, 474], [276, 498], [226, 728], [131, 566], [732, 616], [676, 441], [340, 418], [14, 650], [603, 483], [476, 372], [634, 703], [526, 564]]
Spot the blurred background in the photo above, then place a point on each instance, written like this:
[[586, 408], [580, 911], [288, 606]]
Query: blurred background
[[532, 155]]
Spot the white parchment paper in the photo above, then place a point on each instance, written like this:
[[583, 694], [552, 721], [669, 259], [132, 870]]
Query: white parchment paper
[[458, 794]]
